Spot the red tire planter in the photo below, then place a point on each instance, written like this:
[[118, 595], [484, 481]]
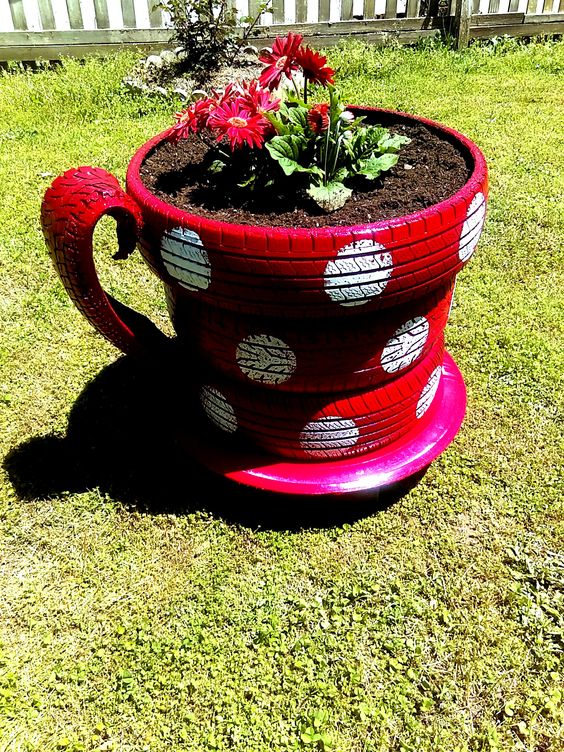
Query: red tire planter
[[297, 327], [319, 427], [331, 356], [328, 271]]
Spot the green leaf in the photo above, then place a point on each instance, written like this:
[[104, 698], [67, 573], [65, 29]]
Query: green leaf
[[287, 150], [297, 116], [277, 123], [374, 166], [426, 704], [216, 166], [392, 143], [331, 196], [249, 182]]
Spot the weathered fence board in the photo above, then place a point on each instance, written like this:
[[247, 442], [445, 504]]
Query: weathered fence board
[[18, 14], [128, 14], [32, 29], [75, 15], [102, 15], [463, 15], [46, 15]]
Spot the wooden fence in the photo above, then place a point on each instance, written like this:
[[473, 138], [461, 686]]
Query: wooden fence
[[48, 29]]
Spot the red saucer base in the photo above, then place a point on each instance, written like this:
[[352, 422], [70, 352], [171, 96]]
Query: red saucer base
[[377, 470]]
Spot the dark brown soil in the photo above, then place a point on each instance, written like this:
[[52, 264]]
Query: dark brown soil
[[429, 170]]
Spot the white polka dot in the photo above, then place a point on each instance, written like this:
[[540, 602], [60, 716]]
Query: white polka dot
[[267, 359], [186, 259], [327, 437], [405, 345], [428, 393], [218, 409], [359, 273], [472, 227]]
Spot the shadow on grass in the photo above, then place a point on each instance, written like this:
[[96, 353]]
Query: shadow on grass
[[120, 439]]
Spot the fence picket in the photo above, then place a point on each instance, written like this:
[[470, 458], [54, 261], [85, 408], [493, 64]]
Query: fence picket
[[301, 11], [324, 8], [102, 16], [18, 15], [346, 10], [155, 15], [75, 14], [391, 9], [278, 11], [128, 13]]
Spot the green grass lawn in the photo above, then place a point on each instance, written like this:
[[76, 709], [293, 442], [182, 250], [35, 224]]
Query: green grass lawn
[[134, 615]]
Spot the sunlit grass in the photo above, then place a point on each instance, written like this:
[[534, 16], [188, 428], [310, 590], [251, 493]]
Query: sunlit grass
[[134, 617]]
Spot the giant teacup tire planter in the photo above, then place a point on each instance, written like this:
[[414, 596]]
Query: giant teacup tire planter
[[317, 353], [290, 357]]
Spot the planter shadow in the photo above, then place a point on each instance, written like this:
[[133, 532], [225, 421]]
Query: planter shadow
[[121, 439]]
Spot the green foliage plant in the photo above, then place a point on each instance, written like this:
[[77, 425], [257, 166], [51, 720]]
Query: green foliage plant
[[257, 141], [209, 32]]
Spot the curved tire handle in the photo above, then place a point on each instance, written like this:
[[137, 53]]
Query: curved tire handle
[[70, 211]]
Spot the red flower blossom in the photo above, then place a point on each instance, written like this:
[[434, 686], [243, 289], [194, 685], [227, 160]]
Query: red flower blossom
[[282, 60], [313, 66], [192, 119], [240, 127], [318, 118], [231, 91], [256, 99]]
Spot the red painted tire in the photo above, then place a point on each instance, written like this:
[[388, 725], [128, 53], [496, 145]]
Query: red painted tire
[[325, 426], [325, 356], [319, 272], [70, 210]]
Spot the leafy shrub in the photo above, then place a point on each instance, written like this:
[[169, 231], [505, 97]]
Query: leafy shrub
[[209, 32]]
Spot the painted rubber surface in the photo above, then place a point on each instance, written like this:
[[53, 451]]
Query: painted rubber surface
[[319, 356], [291, 276], [371, 471], [330, 271], [70, 210], [324, 426]]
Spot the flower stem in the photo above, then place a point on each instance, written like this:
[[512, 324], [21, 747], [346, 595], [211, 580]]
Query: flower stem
[[326, 156]]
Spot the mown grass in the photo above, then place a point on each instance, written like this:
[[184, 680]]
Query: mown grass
[[138, 615]]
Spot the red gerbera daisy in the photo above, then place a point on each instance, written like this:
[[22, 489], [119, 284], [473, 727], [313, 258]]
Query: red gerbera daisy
[[192, 119], [228, 94], [318, 118], [240, 127], [281, 60], [313, 66], [256, 99]]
